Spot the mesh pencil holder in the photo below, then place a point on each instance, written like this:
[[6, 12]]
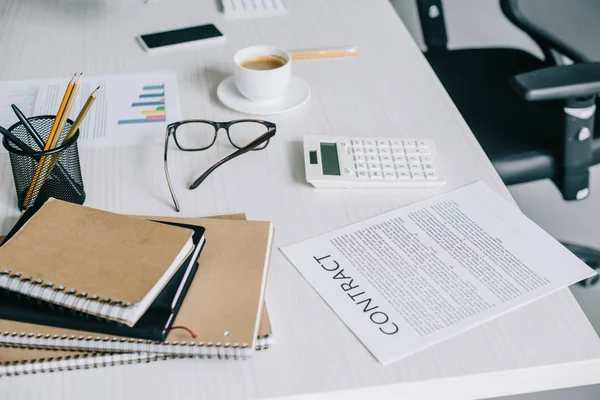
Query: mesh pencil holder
[[60, 173]]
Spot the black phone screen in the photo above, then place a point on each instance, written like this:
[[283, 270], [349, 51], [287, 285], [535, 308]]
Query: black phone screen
[[169, 38]]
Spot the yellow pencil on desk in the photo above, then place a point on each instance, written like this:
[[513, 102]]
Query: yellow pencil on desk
[[54, 136], [67, 111], [74, 127], [82, 115], [324, 52]]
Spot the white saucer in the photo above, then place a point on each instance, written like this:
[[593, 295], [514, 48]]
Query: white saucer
[[298, 93]]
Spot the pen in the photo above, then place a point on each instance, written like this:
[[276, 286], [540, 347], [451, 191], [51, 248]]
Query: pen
[[18, 142], [36, 136], [325, 52]]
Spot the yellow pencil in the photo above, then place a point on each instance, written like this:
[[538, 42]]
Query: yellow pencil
[[61, 109], [82, 114], [325, 52], [52, 138], [75, 126], [67, 111]]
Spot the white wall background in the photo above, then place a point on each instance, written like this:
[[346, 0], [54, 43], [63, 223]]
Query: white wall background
[[480, 23]]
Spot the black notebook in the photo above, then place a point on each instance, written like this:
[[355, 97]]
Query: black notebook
[[153, 325]]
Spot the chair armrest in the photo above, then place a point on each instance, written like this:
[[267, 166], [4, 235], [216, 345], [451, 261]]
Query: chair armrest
[[558, 83]]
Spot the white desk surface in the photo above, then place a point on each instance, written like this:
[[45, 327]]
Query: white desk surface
[[389, 90]]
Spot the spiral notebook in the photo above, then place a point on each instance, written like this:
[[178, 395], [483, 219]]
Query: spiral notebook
[[153, 325], [88, 260], [21, 361], [223, 305]]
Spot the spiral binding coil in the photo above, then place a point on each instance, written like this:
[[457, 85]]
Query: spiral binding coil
[[47, 292], [69, 363], [107, 344], [84, 361]]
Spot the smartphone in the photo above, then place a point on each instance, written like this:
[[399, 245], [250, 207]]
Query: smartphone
[[180, 38]]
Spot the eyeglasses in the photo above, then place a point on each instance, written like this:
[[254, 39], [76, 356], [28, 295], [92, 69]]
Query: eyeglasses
[[197, 134]]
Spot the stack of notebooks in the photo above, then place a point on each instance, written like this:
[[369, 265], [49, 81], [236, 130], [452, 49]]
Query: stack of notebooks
[[81, 287]]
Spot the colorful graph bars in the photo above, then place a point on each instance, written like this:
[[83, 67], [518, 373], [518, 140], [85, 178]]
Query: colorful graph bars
[[152, 106]]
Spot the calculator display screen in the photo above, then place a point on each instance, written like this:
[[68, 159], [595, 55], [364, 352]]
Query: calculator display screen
[[329, 159]]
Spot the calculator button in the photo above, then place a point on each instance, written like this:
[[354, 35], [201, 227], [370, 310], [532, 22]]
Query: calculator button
[[374, 166], [431, 175], [397, 144], [413, 159], [383, 143], [358, 150], [388, 167], [385, 151], [356, 142], [401, 167], [418, 152], [359, 158], [426, 159], [403, 175], [369, 143], [409, 144], [398, 152], [348, 171], [389, 175], [386, 159], [363, 174], [428, 167], [372, 158], [376, 175], [361, 166], [417, 174], [400, 159], [370, 150], [422, 144], [412, 151], [415, 167]]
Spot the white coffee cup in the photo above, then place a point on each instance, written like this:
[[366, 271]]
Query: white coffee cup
[[262, 84]]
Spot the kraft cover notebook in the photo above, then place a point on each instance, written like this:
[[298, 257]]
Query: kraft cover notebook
[[222, 307], [153, 325], [88, 260], [18, 361]]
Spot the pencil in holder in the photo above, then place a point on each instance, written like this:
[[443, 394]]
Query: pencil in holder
[[60, 173]]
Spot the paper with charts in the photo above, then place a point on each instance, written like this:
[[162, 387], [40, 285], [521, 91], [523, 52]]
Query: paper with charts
[[412, 277], [130, 108]]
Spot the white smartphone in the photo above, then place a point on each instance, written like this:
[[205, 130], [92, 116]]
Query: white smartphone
[[180, 38]]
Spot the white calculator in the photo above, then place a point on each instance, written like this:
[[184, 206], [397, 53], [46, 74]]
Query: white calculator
[[344, 162]]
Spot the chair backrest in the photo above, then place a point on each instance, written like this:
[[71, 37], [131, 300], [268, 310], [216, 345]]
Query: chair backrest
[[433, 24], [571, 27]]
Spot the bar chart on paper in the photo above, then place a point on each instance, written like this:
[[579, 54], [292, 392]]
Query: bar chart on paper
[[150, 106], [130, 108]]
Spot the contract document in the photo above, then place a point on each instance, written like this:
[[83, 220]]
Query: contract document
[[415, 276]]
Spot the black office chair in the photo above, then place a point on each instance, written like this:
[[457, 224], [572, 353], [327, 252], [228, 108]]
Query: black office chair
[[534, 118]]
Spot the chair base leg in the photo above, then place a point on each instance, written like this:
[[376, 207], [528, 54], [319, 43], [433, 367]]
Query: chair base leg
[[589, 256]]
